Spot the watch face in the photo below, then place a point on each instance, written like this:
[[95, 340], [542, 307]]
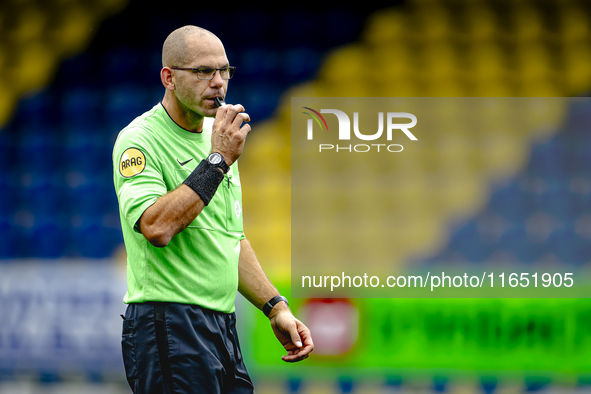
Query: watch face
[[215, 158]]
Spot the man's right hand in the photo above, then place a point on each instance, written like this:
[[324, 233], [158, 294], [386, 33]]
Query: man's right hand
[[228, 133]]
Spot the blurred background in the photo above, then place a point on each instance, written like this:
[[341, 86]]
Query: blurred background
[[73, 73]]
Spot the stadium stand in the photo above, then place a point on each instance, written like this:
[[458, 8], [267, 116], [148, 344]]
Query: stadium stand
[[522, 198], [59, 138]]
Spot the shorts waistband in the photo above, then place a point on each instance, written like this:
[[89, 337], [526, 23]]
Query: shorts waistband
[[205, 310]]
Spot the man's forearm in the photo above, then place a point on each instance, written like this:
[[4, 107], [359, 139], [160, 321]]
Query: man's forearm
[[170, 215], [258, 289], [254, 284]]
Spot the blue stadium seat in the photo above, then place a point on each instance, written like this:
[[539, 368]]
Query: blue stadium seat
[[581, 157], [18, 239], [81, 70], [578, 119], [294, 385], [299, 64], [440, 384], [36, 111], [346, 384], [8, 197], [511, 202], [90, 156], [536, 384], [250, 32], [123, 63], [92, 239], [562, 202], [10, 236], [123, 103], [36, 151], [394, 383], [49, 239], [80, 108], [90, 199], [259, 100], [550, 161], [259, 63], [42, 197], [468, 241], [516, 240], [569, 246], [7, 151], [489, 384]]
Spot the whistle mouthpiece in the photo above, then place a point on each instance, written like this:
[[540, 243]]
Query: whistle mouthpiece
[[219, 101]]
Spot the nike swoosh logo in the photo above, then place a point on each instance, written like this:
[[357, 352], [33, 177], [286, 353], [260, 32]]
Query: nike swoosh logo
[[184, 162]]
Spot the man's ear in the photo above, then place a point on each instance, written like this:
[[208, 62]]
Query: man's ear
[[167, 78]]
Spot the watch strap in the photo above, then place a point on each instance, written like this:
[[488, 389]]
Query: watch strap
[[271, 303]]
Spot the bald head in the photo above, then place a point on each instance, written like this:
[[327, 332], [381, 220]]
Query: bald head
[[175, 51]]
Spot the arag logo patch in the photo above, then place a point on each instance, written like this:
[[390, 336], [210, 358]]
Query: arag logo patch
[[132, 162]]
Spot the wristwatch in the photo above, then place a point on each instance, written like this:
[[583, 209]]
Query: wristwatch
[[272, 302], [218, 160]]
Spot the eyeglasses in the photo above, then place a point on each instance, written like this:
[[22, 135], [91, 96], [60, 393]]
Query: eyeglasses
[[207, 73]]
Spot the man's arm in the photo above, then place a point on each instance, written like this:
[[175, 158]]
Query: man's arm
[[174, 211], [170, 215], [256, 287]]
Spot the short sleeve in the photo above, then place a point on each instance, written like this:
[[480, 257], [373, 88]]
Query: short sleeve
[[136, 174]]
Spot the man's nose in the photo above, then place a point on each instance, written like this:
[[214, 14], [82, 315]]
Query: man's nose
[[217, 80]]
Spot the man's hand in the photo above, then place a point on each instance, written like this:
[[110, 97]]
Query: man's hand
[[293, 335], [228, 134], [258, 289]]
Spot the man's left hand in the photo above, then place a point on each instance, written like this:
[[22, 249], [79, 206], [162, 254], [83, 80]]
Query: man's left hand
[[293, 335]]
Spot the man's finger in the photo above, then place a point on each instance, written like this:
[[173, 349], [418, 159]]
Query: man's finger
[[292, 358], [305, 351], [228, 113], [295, 337], [233, 110], [307, 338], [221, 113], [237, 108], [242, 117], [308, 343], [245, 129], [297, 355]]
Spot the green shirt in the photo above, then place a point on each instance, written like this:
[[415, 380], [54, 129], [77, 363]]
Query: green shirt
[[153, 156]]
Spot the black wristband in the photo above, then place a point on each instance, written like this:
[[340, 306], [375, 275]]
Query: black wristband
[[204, 180], [271, 303]]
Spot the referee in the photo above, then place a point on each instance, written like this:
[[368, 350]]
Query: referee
[[180, 200]]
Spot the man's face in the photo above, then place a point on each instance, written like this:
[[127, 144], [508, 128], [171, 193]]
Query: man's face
[[194, 94]]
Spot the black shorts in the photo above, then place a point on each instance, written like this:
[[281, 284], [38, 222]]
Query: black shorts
[[177, 348]]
